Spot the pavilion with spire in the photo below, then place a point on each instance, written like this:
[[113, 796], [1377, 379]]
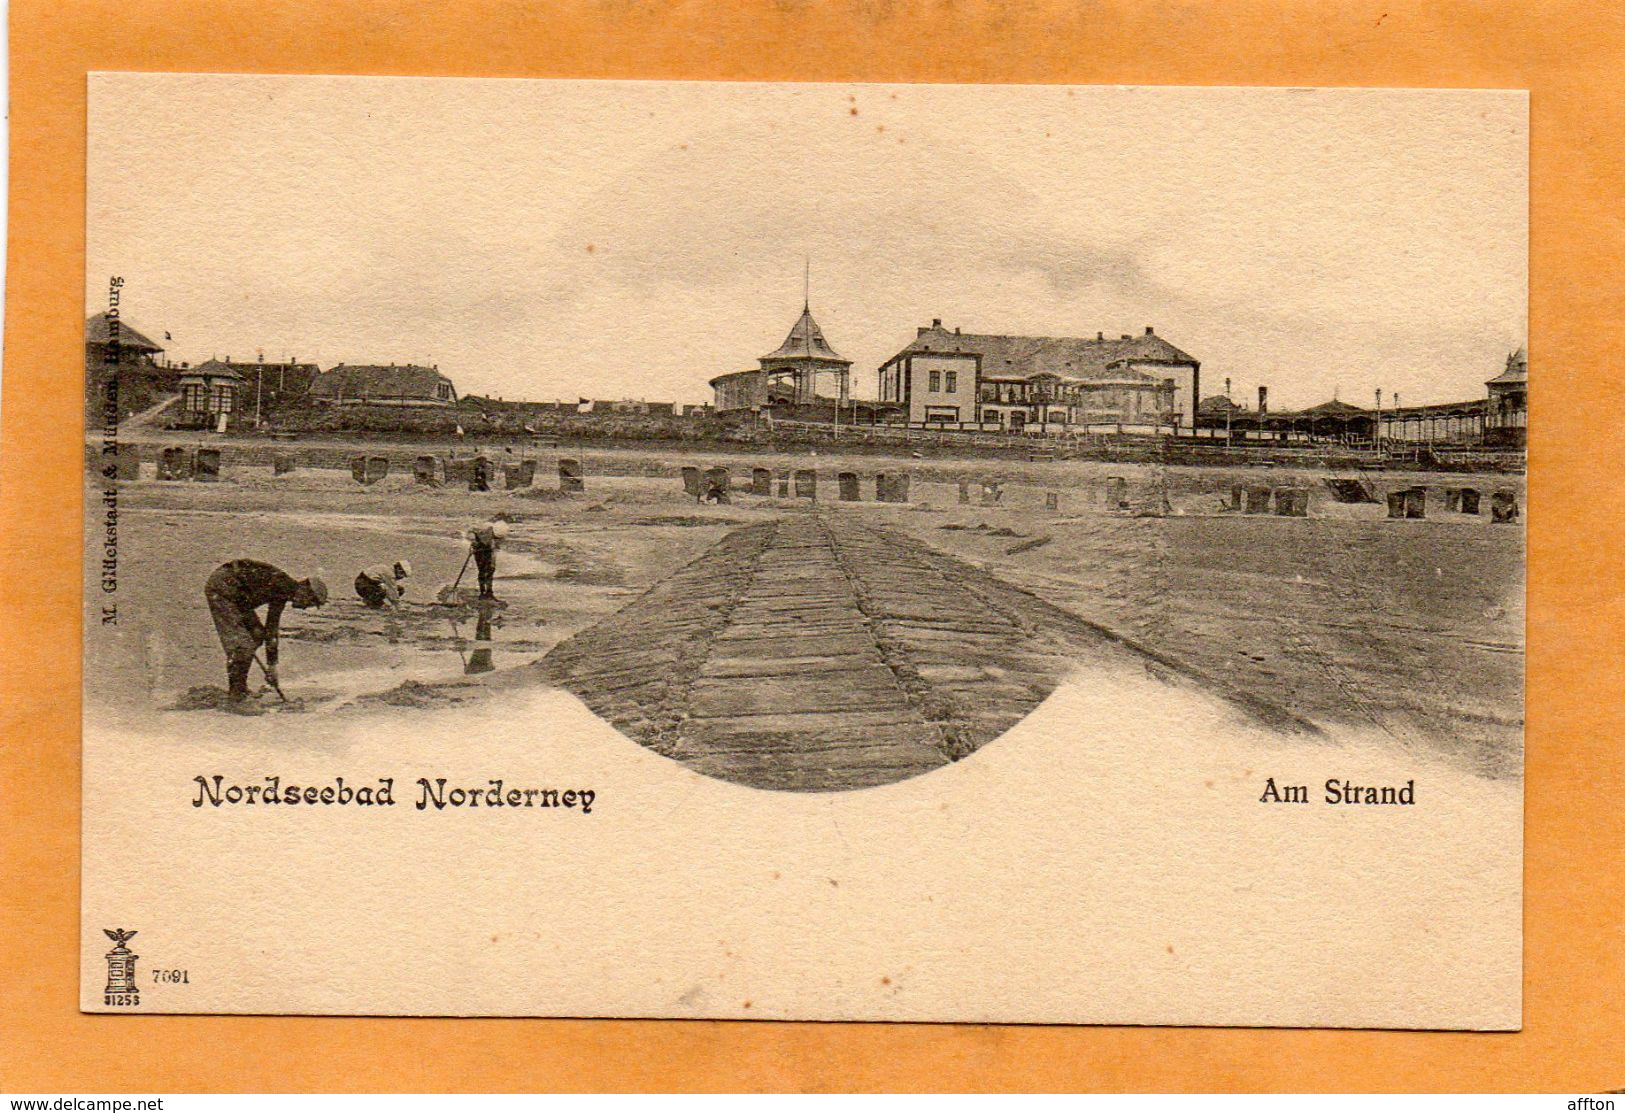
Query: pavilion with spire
[[805, 355], [1507, 422], [789, 373]]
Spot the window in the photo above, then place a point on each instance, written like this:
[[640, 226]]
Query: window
[[936, 381], [192, 398], [953, 382]]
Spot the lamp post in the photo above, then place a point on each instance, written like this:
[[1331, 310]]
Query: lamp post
[[1376, 433]]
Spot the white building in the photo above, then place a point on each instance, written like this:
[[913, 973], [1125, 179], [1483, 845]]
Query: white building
[[1053, 382]]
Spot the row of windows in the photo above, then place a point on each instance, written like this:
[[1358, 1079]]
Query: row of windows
[[1016, 418], [1019, 418], [947, 382], [196, 398], [1026, 393]]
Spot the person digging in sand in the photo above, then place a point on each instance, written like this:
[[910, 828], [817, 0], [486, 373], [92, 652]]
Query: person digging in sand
[[235, 591], [382, 585], [484, 540]]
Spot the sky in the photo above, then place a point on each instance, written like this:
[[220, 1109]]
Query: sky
[[560, 239]]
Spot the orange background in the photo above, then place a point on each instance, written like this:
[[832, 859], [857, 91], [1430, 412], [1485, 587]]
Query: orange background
[[1570, 55]]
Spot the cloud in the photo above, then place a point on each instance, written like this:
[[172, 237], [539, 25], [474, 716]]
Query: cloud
[[563, 238]]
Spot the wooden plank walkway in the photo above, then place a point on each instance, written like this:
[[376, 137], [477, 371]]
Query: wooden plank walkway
[[818, 653], [795, 692]]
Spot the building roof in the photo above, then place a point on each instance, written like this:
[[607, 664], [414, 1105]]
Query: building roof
[[1334, 408], [806, 341], [243, 369], [98, 331], [1517, 369], [371, 380], [217, 368], [1218, 404], [1438, 409], [731, 375], [1068, 357]]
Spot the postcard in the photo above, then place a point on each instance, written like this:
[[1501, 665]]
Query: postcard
[[1043, 554]]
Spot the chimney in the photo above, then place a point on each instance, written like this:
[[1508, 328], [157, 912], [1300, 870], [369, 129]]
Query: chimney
[[1148, 331], [1263, 401], [1127, 337], [956, 330], [1099, 336], [921, 330], [936, 322]]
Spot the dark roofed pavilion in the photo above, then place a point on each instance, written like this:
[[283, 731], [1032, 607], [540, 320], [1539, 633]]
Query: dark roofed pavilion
[[99, 330], [805, 355]]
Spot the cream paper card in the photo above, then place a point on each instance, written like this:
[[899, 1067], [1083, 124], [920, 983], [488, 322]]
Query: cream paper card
[[949, 553]]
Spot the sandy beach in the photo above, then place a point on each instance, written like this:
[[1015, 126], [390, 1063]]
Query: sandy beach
[[1409, 630]]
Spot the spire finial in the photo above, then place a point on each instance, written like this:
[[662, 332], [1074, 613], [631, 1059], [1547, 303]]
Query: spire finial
[[806, 285]]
